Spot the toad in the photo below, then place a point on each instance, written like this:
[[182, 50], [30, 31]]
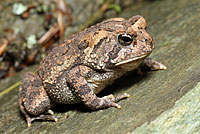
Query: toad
[[84, 65]]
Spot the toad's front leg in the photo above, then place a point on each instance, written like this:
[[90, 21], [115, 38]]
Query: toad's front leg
[[33, 100], [88, 97], [152, 64]]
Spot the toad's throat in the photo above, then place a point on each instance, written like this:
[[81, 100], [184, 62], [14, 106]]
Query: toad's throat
[[130, 60]]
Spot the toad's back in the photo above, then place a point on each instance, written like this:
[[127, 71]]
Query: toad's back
[[57, 61], [65, 56]]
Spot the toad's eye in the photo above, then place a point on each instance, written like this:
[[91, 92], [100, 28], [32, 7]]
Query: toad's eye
[[125, 39]]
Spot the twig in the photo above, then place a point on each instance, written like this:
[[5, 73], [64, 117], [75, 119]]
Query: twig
[[48, 35]]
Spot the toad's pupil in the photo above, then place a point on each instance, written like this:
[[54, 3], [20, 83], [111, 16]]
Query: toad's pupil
[[125, 40]]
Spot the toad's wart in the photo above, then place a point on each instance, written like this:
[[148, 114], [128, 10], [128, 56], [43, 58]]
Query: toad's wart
[[84, 65]]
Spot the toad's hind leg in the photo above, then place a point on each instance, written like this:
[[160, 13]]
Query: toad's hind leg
[[33, 100]]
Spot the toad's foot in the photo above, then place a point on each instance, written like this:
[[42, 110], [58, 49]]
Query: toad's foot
[[106, 101], [110, 100], [40, 117], [153, 65], [150, 64]]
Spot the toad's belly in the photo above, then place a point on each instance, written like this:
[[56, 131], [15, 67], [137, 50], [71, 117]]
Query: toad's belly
[[98, 82]]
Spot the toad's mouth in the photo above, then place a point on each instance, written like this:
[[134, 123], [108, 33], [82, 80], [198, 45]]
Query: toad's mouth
[[130, 60]]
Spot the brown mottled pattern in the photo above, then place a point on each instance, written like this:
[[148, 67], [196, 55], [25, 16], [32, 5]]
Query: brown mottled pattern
[[57, 61]]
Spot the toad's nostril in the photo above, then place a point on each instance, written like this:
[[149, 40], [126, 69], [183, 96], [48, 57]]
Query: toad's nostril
[[149, 42]]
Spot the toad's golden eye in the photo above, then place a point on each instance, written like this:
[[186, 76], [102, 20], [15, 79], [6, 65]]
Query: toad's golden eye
[[125, 39]]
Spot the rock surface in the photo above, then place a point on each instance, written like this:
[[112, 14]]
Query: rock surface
[[161, 101]]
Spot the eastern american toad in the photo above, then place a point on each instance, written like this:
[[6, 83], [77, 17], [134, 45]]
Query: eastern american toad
[[84, 65]]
